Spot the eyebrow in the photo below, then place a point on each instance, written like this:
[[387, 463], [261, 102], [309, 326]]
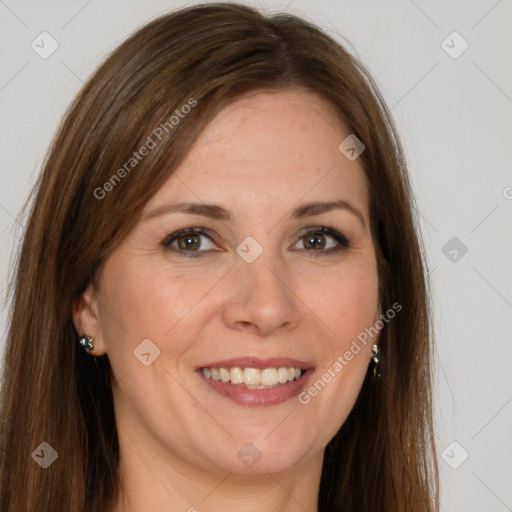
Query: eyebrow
[[217, 212]]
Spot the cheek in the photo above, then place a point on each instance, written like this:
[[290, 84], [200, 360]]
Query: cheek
[[349, 308], [150, 303], [150, 300], [347, 303]]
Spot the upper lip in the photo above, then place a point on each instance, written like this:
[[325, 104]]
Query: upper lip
[[256, 362]]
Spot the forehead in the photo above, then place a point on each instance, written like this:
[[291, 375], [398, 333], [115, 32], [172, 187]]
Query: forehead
[[269, 149]]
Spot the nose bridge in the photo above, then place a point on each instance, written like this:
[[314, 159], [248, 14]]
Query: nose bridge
[[266, 277], [256, 256], [265, 273], [260, 294]]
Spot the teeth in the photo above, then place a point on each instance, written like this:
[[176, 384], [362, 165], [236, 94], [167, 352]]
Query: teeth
[[237, 376], [224, 374], [253, 378], [268, 376], [282, 375]]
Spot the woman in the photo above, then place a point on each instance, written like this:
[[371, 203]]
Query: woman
[[220, 301]]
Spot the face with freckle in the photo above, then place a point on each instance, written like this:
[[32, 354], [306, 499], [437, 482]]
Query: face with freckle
[[307, 296]]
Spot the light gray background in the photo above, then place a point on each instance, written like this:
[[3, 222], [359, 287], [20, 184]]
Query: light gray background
[[454, 116]]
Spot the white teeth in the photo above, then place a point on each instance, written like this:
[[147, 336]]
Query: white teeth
[[269, 376], [237, 376], [253, 378], [282, 375], [224, 374]]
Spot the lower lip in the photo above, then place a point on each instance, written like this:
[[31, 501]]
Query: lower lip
[[259, 397]]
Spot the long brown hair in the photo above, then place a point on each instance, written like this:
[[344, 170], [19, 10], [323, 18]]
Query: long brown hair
[[383, 457]]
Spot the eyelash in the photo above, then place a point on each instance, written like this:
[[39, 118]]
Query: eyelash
[[342, 240]]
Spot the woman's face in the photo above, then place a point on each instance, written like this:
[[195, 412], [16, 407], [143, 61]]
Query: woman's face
[[251, 285]]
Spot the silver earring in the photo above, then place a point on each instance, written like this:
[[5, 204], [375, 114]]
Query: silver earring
[[87, 342], [375, 357]]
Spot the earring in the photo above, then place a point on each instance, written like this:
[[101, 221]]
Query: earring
[[87, 342], [375, 354]]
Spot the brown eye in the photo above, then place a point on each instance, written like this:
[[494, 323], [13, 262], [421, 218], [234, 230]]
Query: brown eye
[[314, 241], [189, 242], [322, 240]]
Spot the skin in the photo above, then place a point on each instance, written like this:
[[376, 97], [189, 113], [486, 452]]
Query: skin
[[259, 158]]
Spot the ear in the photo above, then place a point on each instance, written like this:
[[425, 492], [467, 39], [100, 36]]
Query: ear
[[86, 319]]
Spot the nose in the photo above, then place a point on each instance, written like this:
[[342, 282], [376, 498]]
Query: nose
[[261, 299]]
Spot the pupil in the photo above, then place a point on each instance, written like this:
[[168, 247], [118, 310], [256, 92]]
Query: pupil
[[189, 242], [315, 242]]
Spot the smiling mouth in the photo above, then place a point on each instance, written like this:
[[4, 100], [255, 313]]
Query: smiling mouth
[[254, 378]]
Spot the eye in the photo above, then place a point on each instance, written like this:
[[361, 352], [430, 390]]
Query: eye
[[190, 240], [323, 239]]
